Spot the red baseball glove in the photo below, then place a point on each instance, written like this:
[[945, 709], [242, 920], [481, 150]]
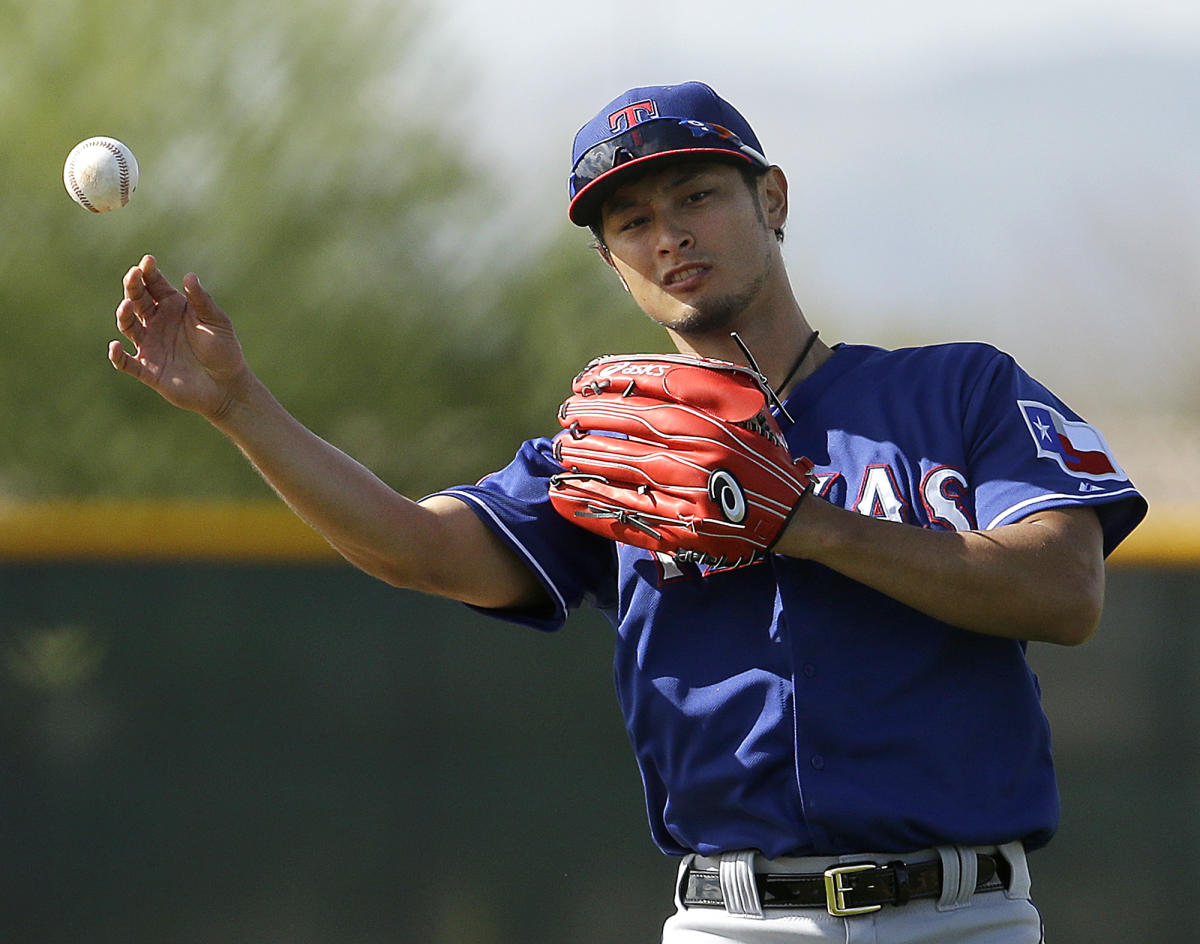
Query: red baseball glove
[[677, 454]]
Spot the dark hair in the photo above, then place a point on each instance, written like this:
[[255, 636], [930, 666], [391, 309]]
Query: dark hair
[[750, 175]]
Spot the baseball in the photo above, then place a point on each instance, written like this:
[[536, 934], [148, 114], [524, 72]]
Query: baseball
[[100, 174]]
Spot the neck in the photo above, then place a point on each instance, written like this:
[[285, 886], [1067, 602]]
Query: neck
[[771, 325], [775, 347]]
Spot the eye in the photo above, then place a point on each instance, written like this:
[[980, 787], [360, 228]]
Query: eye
[[698, 196], [632, 223]]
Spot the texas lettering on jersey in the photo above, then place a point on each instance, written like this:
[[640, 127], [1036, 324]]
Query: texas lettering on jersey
[[886, 487], [943, 492]]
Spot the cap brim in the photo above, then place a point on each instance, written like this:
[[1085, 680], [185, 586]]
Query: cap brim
[[585, 205]]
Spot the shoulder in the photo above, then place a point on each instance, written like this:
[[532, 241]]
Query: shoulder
[[958, 366], [923, 355], [967, 352], [529, 469]]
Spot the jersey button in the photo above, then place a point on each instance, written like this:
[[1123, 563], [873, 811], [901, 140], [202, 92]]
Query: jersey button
[[818, 762], [810, 670]]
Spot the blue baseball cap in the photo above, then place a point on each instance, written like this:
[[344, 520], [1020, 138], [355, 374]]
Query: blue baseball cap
[[651, 123]]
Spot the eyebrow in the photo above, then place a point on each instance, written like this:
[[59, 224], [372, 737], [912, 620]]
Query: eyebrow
[[615, 204]]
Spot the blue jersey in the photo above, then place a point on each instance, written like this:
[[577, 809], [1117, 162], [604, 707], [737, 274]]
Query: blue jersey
[[783, 707]]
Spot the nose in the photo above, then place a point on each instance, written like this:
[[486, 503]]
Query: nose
[[673, 237]]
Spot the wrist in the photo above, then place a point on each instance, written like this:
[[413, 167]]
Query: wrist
[[795, 538], [243, 395]]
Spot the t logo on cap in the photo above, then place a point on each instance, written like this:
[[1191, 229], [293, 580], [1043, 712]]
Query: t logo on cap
[[630, 115]]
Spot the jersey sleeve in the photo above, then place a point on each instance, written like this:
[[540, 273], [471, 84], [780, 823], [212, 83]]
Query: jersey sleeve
[[1029, 451], [575, 567]]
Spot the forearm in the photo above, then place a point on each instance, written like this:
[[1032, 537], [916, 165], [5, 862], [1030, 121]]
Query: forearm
[[1039, 579], [364, 519]]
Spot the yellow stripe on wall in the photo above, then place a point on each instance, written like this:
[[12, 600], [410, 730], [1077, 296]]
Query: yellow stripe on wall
[[217, 531], [270, 532], [1168, 537]]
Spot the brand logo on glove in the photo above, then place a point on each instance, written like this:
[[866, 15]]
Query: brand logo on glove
[[727, 492], [634, 370]]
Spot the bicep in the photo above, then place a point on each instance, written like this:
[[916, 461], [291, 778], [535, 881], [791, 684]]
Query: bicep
[[471, 563], [1072, 534]]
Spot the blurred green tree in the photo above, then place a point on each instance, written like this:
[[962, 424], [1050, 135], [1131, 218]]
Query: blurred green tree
[[294, 158]]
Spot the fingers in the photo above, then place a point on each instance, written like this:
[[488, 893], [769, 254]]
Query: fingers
[[196, 293], [146, 290], [207, 310], [155, 282], [137, 304], [133, 313], [120, 359], [129, 323], [133, 284]]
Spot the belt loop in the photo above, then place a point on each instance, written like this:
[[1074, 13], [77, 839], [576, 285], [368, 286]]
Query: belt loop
[[737, 884], [1014, 855], [685, 866], [968, 875], [951, 878]]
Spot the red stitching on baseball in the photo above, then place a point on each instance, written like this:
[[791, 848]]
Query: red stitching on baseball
[[80, 196]]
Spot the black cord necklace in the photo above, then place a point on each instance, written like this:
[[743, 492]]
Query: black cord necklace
[[812, 339], [808, 346]]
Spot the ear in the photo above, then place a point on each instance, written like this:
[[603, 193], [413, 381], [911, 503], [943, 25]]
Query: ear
[[773, 192]]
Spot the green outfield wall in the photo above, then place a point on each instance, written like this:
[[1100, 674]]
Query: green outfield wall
[[215, 731]]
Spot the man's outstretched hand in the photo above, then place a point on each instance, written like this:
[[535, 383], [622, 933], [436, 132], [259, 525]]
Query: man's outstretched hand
[[185, 345]]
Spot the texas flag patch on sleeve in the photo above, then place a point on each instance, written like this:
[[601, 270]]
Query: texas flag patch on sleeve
[[1077, 447]]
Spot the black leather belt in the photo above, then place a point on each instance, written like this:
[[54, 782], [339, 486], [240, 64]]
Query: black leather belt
[[849, 889]]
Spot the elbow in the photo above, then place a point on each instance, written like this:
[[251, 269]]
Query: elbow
[[383, 562], [1069, 576], [1077, 631], [1079, 617], [381, 568]]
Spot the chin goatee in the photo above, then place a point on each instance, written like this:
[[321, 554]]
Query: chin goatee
[[717, 315]]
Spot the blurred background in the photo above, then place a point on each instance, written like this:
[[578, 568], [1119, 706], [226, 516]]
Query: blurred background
[[213, 731]]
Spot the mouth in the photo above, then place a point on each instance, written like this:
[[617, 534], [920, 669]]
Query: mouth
[[684, 276]]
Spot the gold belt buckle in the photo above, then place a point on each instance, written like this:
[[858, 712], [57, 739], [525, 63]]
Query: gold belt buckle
[[835, 891]]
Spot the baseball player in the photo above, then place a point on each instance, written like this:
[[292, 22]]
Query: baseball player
[[823, 564]]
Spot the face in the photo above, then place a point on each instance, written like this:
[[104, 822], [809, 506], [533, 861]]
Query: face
[[694, 246]]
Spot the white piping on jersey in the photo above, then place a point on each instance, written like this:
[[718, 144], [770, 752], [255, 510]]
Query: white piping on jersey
[[546, 581], [1041, 499]]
